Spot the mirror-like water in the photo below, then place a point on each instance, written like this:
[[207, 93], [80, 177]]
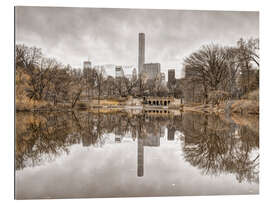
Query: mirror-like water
[[120, 154]]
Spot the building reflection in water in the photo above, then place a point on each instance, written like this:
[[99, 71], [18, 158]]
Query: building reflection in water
[[150, 139], [171, 132], [210, 143], [140, 165]]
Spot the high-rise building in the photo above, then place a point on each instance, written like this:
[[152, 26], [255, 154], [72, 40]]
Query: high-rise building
[[119, 71], [151, 70], [171, 78], [171, 75], [134, 74], [141, 52], [87, 64], [163, 81]]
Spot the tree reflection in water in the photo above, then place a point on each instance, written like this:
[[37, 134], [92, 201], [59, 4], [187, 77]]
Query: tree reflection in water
[[219, 147], [214, 145]]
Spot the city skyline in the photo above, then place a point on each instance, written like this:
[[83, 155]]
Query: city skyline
[[71, 34]]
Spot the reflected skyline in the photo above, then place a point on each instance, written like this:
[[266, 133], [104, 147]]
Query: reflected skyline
[[215, 146]]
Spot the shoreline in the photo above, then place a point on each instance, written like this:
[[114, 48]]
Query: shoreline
[[200, 108]]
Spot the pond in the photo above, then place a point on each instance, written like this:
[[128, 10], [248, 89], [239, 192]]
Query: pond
[[130, 154]]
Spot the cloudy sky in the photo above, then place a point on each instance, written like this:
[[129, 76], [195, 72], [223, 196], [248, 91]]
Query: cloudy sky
[[110, 36]]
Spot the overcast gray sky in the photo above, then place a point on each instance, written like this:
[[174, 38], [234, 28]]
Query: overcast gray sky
[[110, 36]]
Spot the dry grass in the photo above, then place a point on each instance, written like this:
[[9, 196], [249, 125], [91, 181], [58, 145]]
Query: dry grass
[[242, 106], [245, 107], [104, 110], [254, 95], [26, 104]]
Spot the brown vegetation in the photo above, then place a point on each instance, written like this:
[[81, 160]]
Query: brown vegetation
[[213, 74], [234, 70], [44, 82], [245, 107]]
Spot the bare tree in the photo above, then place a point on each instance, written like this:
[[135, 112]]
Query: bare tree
[[27, 57], [98, 82], [130, 85], [207, 67], [109, 86], [248, 55], [249, 51], [60, 83], [40, 77], [119, 85], [142, 79]]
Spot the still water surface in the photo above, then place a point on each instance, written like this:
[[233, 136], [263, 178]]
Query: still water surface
[[123, 154]]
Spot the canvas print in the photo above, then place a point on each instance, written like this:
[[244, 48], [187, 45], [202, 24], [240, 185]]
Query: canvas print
[[135, 102]]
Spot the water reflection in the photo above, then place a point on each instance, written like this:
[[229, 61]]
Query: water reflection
[[212, 144], [218, 147]]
